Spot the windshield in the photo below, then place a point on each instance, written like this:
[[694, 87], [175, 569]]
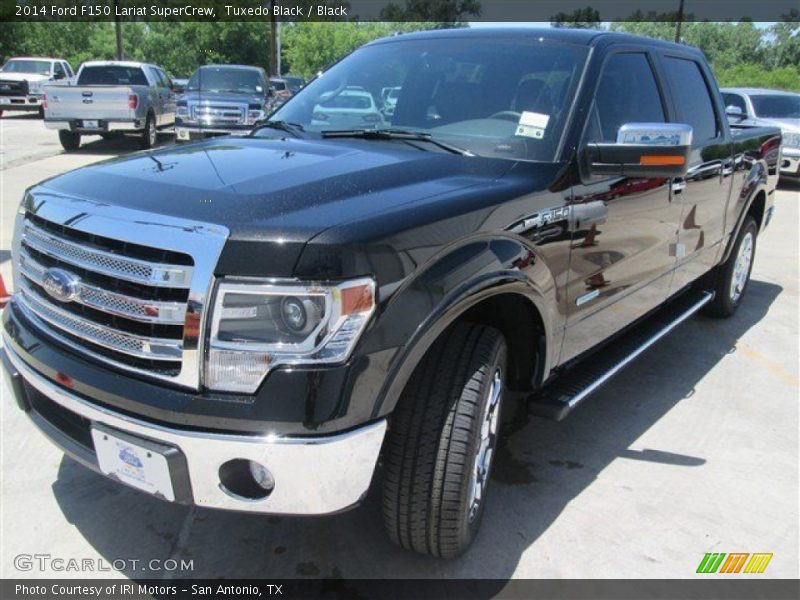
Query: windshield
[[508, 98], [40, 67], [220, 79], [111, 75], [783, 106]]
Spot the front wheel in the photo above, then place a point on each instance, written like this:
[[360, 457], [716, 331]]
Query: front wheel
[[732, 277], [442, 440], [70, 140]]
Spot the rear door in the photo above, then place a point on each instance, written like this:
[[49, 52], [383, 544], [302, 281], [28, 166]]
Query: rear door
[[702, 194], [621, 258]]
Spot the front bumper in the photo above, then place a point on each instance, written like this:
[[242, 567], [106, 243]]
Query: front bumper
[[104, 126], [185, 133], [790, 162], [30, 102], [313, 475]]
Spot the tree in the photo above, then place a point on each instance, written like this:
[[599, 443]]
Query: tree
[[436, 13], [583, 18]]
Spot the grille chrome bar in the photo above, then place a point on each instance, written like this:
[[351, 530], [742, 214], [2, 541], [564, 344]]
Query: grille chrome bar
[[112, 339], [138, 309], [107, 263]]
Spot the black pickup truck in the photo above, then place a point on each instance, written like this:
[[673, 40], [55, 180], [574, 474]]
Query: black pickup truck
[[270, 323]]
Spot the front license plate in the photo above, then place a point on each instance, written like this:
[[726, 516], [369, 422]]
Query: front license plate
[[133, 463], [91, 124]]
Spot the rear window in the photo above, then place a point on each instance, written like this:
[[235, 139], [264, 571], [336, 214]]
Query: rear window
[[347, 101], [112, 75]]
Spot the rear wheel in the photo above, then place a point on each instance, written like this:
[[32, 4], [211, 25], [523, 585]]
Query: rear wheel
[[150, 133], [732, 277], [442, 441], [70, 140]]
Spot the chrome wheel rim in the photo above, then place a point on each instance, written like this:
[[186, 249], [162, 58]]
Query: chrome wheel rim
[[482, 463], [741, 268]]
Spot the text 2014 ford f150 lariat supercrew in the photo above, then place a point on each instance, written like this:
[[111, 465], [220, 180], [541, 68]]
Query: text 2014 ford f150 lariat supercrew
[[271, 323]]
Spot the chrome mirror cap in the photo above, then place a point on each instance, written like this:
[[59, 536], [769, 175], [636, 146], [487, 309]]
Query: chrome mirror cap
[[655, 134]]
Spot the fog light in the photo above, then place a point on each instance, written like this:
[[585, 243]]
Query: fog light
[[261, 475]]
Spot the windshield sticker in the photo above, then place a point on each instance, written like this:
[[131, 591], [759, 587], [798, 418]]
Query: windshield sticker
[[532, 125]]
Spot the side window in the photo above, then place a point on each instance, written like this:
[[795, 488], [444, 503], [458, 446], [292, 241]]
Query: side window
[[165, 82], [70, 73], [627, 93], [59, 71], [693, 99], [734, 100]]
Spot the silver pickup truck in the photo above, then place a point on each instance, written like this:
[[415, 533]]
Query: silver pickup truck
[[111, 98]]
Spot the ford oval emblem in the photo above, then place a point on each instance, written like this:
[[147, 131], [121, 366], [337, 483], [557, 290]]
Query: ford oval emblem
[[128, 456], [60, 284]]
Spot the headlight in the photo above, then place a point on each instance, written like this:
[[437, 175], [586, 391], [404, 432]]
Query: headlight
[[791, 139], [35, 87], [253, 116], [256, 326]]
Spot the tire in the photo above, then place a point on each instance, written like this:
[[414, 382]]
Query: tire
[[434, 494], [41, 112], [1, 114], [150, 133], [732, 276], [70, 140]]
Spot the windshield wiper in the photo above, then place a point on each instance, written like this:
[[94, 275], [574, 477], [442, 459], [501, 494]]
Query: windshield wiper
[[286, 126], [394, 134]]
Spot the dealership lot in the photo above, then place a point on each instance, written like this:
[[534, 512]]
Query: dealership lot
[[693, 449]]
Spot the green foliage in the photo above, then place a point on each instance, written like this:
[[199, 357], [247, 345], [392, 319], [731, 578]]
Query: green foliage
[[755, 75], [583, 18], [437, 13]]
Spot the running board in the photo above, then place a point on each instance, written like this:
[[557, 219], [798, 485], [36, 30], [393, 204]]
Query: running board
[[557, 399]]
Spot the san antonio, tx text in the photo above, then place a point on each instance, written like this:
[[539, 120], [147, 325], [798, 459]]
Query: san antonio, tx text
[[133, 589]]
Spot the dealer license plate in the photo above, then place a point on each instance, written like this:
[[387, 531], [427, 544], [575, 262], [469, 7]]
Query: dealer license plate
[[91, 124], [134, 464]]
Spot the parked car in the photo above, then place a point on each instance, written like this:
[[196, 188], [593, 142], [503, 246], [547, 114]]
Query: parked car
[[389, 95], [280, 92], [22, 81], [111, 98], [179, 85], [264, 323], [354, 107], [758, 106], [221, 100], [294, 82]]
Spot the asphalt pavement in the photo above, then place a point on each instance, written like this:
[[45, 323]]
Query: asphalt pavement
[[692, 449]]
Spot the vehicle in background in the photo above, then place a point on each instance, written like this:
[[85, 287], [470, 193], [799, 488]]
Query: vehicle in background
[[389, 95], [759, 106], [354, 108], [280, 92], [22, 82], [222, 100], [294, 82], [275, 322], [110, 98], [179, 85]]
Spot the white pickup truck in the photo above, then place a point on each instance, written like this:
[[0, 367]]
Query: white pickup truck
[[111, 98], [22, 80]]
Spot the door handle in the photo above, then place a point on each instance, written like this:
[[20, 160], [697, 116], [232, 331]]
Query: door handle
[[678, 186]]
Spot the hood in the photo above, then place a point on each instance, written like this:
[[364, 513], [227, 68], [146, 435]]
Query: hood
[[219, 97], [786, 125], [283, 191], [23, 77]]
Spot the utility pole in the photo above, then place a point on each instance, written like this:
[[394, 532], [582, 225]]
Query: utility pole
[[118, 27], [274, 56], [678, 24]]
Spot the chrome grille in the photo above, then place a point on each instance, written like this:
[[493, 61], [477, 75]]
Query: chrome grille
[[230, 114], [137, 286]]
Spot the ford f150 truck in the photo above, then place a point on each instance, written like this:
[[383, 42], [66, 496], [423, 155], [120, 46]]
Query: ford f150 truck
[[111, 98], [22, 82], [222, 99], [270, 323]]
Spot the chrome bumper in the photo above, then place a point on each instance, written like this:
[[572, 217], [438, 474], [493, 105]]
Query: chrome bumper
[[186, 133], [32, 102], [121, 126], [790, 161], [313, 475]]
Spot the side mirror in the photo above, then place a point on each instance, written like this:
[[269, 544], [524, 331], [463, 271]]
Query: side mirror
[[643, 150], [58, 76], [734, 113]]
